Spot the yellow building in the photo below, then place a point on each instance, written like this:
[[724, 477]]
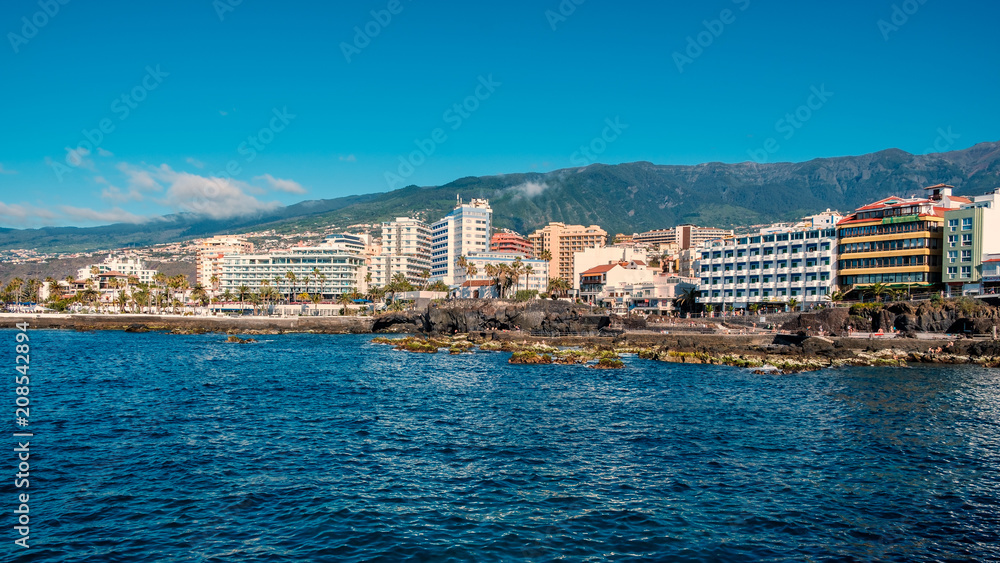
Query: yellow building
[[561, 241], [895, 241]]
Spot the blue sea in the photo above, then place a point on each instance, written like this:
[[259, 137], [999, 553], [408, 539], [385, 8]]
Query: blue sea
[[167, 448]]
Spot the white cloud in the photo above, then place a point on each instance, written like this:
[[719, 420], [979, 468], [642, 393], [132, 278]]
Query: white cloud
[[348, 158], [223, 113], [195, 162], [528, 189], [140, 179], [218, 198], [281, 185], [102, 152], [22, 214], [78, 157], [5, 171], [113, 215]]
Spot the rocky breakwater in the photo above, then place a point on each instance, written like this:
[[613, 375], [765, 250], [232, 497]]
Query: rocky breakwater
[[468, 316], [961, 316]]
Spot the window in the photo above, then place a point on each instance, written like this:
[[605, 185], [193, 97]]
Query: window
[[967, 224], [952, 240], [952, 271], [966, 271], [967, 240], [952, 256], [953, 225], [966, 256]]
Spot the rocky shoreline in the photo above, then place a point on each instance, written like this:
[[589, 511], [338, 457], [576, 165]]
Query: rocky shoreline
[[762, 353], [559, 332]]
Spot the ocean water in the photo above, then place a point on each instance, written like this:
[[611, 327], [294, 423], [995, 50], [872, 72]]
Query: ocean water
[[155, 447]]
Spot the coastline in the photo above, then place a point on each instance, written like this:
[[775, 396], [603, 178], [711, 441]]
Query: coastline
[[784, 352]]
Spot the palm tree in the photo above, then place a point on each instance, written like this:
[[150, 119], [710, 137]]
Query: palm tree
[[877, 290], [424, 276], [558, 287], [290, 276], [792, 304], [545, 255], [343, 299], [687, 299], [214, 280], [516, 270]]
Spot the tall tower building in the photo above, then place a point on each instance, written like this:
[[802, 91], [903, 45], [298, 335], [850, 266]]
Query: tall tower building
[[464, 231]]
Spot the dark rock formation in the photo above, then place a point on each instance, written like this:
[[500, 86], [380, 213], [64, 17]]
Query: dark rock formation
[[464, 316]]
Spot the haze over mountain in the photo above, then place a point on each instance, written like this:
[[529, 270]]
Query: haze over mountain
[[626, 198]]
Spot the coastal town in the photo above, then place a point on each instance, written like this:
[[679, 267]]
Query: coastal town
[[895, 248]]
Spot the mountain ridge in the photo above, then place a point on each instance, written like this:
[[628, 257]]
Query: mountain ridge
[[627, 197]]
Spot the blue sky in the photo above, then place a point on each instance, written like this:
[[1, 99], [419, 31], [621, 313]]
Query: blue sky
[[228, 109]]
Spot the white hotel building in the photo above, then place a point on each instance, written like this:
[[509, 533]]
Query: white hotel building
[[464, 231], [769, 268], [328, 271], [406, 249]]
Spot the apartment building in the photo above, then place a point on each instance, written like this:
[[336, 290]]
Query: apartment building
[[464, 231], [326, 271], [210, 254], [561, 241], [512, 242], [896, 241], [118, 266], [769, 267], [684, 236], [971, 233], [406, 249]]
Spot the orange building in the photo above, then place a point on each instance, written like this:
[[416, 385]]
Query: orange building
[[509, 241]]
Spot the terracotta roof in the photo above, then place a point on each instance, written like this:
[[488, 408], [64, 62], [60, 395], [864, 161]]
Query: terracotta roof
[[477, 283], [936, 186], [992, 260], [601, 269], [960, 199], [639, 262]]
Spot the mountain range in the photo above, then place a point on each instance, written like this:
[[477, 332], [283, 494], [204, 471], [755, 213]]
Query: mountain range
[[621, 198]]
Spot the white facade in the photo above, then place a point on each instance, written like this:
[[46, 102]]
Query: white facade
[[211, 251], [538, 280], [130, 267], [769, 268], [653, 297], [326, 271], [595, 280], [592, 257], [464, 231], [406, 249]]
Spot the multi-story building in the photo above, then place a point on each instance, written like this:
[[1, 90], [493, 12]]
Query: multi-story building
[[654, 297], [535, 279], [406, 249], [594, 280], [991, 275], [896, 241], [599, 256], [120, 267], [509, 241], [775, 267], [464, 231], [326, 271], [684, 236], [561, 241], [211, 251], [971, 232]]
